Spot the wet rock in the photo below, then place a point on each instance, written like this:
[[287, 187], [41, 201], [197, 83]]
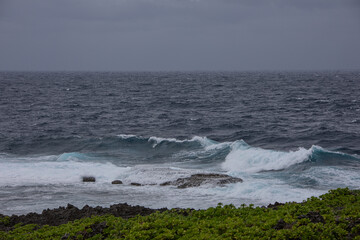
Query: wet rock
[[196, 180], [88, 179], [116, 182], [135, 184], [275, 205], [281, 224], [96, 228], [314, 217]]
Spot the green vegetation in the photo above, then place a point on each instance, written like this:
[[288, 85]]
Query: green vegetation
[[335, 215]]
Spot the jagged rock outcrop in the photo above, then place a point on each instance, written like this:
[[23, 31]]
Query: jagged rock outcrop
[[197, 180]]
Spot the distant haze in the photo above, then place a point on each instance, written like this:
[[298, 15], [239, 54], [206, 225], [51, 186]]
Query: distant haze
[[166, 35]]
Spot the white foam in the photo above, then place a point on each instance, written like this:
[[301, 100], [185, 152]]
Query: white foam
[[204, 141], [55, 172], [266, 191], [159, 140], [332, 176], [218, 146], [127, 136], [73, 156], [154, 174], [244, 158], [13, 158]]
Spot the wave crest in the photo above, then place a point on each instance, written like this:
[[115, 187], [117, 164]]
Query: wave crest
[[244, 158], [155, 141]]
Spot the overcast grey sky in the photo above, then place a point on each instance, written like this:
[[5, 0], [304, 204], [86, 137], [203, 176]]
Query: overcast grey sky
[[123, 35]]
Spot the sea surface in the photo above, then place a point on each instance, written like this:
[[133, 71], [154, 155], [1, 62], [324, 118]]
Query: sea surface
[[288, 135]]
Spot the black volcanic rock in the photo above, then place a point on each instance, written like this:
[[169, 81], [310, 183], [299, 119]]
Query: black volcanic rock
[[196, 180], [62, 215], [314, 217], [88, 179], [275, 205], [116, 182], [135, 184], [281, 224]]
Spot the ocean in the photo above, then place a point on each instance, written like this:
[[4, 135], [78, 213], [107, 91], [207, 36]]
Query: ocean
[[288, 135]]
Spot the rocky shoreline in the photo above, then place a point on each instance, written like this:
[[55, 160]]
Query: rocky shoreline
[[62, 215], [333, 215]]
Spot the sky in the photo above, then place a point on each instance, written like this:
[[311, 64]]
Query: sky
[[179, 35]]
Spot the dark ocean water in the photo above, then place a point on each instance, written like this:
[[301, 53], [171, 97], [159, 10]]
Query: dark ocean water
[[289, 135]]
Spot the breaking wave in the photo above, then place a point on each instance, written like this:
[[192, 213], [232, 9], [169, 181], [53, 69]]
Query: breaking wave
[[197, 152], [251, 159], [268, 175], [244, 158]]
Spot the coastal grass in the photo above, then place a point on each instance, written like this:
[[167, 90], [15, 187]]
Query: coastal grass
[[334, 215]]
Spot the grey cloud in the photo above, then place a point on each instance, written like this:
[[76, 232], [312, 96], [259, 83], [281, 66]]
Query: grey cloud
[[179, 34]]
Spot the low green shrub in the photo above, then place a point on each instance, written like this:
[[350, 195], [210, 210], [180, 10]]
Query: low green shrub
[[335, 215]]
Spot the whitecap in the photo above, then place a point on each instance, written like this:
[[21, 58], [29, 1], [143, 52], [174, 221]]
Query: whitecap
[[244, 158]]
